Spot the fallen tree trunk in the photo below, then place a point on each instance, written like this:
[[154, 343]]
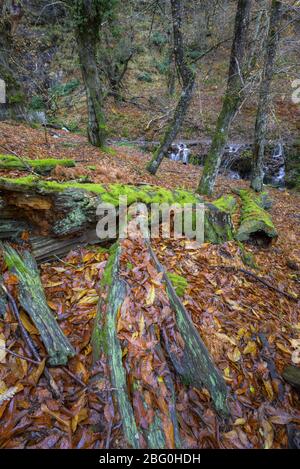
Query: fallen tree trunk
[[33, 301], [145, 394], [61, 210], [195, 365], [255, 221]]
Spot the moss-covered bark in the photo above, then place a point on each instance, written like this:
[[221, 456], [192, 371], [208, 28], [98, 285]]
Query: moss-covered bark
[[233, 97], [88, 17], [64, 209], [32, 299], [105, 342], [195, 365], [257, 177], [255, 221]]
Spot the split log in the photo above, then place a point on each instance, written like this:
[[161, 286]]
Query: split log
[[256, 223], [193, 364], [12, 162], [196, 365], [105, 340], [32, 299], [60, 210]]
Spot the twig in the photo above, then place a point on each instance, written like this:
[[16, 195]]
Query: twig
[[19, 356], [259, 279], [20, 158], [78, 380]]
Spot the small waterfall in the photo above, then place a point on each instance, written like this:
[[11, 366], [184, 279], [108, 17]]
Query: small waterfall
[[275, 166], [180, 152]]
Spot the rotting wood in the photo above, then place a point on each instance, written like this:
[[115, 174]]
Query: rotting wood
[[32, 299]]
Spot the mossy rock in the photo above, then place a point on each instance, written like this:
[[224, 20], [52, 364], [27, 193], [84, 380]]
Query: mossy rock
[[44, 166], [255, 221]]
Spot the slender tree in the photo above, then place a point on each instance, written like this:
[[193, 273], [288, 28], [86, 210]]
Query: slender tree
[[88, 16], [233, 97], [187, 76], [265, 97]]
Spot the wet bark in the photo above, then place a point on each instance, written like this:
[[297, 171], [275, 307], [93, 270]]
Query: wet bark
[[233, 97], [261, 124]]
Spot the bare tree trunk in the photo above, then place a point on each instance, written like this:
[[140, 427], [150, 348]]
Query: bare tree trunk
[[86, 33], [232, 99], [188, 81], [264, 97]]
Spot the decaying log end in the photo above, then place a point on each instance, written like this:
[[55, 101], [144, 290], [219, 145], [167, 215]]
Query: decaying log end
[[33, 301]]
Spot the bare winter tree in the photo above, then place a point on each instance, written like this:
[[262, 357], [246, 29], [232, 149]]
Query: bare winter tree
[[187, 76], [264, 96], [233, 97]]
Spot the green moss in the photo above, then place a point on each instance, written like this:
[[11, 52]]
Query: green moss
[[11, 162], [254, 219], [110, 193], [179, 283], [107, 274], [227, 203]]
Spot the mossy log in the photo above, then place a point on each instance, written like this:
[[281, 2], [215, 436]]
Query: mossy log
[[32, 299], [255, 221], [59, 210], [105, 340], [11, 162], [193, 364], [196, 365]]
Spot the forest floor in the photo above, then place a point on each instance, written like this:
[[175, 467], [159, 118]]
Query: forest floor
[[249, 329]]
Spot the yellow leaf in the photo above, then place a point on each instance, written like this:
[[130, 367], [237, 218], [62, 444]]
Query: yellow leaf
[[2, 349], [28, 324], [142, 325], [235, 355], [89, 300], [268, 433], [250, 348], [283, 348], [151, 296], [269, 389], [239, 422], [226, 338]]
